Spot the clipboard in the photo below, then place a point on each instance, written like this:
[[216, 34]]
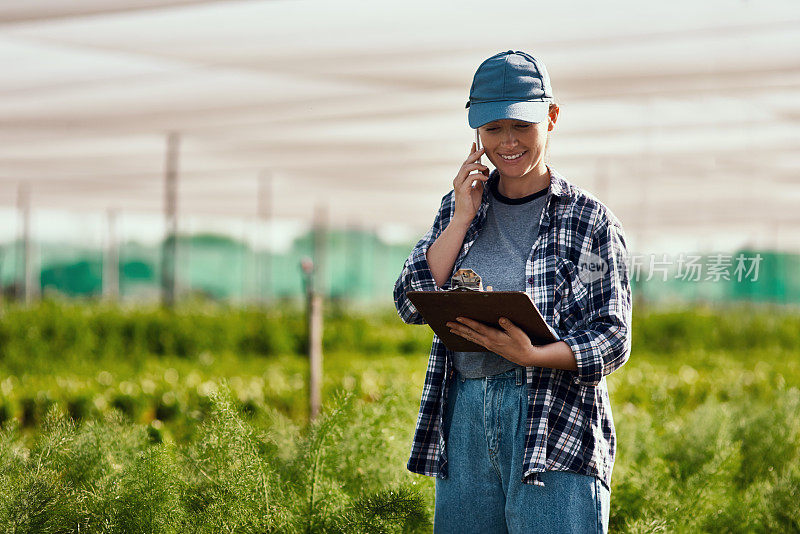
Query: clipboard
[[441, 307]]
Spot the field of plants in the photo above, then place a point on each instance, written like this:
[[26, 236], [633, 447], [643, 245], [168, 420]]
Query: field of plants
[[144, 420]]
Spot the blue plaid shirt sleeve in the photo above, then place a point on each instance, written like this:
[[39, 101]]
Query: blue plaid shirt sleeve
[[603, 343], [416, 274]]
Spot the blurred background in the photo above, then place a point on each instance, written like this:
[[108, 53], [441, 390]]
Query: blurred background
[[175, 175], [198, 148]]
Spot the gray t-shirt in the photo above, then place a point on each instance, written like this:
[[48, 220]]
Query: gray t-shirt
[[499, 255]]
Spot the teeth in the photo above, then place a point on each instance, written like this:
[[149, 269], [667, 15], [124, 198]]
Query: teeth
[[515, 156]]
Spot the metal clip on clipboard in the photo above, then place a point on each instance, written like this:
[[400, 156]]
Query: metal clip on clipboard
[[466, 280]]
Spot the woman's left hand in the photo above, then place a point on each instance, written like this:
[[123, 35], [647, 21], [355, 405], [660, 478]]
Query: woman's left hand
[[512, 343]]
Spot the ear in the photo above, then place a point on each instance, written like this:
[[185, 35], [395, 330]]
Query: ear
[[552, 117]]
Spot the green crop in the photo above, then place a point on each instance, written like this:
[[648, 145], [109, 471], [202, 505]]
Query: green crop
[[144, 438]]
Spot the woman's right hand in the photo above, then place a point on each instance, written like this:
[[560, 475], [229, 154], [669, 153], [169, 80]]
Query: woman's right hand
[[468, 199]]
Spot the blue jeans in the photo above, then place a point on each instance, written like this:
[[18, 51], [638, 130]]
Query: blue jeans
[[484, 427]]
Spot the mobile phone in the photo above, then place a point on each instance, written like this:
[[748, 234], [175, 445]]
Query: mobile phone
[[477, 147]]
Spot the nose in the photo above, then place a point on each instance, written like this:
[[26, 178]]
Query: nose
[[509, 138]]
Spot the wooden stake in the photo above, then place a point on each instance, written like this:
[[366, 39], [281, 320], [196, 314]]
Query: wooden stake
[[26, 255], [169, 246], [315, 324], [263, 253], [111, 260]]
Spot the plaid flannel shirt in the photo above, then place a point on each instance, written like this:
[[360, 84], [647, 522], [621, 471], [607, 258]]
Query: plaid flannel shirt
[[569, 422]]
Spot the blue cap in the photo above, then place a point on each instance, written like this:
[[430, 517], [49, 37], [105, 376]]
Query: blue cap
[[509, 85]]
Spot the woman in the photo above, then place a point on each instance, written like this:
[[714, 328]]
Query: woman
[[521, 437]]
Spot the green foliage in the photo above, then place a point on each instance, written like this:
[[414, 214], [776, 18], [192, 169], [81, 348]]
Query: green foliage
[[218, 440], [707, 441], [231, 484], [721, 327], [710, 470], [110, 477], [68, 331], [392, 510], [73, 332]]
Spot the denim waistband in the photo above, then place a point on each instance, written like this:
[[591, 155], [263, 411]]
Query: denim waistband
[[517, 373]]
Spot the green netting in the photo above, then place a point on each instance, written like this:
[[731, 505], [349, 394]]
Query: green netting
[[358, 266]]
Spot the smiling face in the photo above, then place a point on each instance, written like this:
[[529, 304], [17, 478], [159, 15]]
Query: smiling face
[[517, 147]]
